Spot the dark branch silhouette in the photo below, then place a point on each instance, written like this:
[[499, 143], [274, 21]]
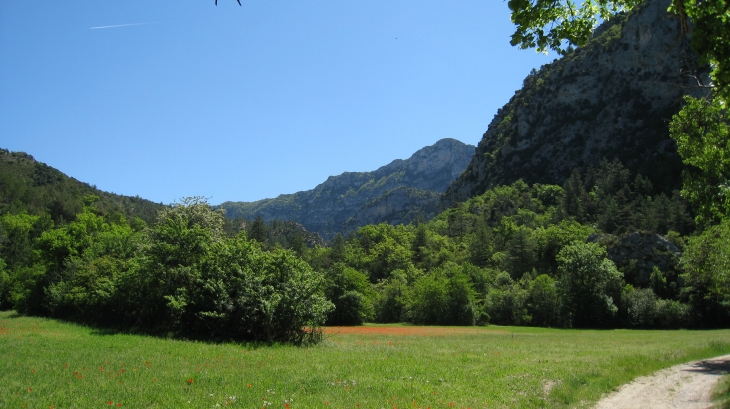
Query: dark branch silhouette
[[239, 2]]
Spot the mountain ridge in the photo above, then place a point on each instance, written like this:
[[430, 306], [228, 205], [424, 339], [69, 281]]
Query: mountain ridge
[[328, 206], [34, 187]]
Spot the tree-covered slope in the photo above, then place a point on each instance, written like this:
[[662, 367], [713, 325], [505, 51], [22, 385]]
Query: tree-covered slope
[[328, 206], [611, 99], [600, 251], [26, 184]]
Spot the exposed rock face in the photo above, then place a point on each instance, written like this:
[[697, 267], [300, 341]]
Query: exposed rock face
[[636, 254], [612, 98], [398, 206], [328, 206], [289, 227]]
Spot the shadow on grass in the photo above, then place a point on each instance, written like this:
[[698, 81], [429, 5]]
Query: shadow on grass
[[166, 334], [163, 333]]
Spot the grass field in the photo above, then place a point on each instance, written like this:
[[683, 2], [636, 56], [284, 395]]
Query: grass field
[[48, 364]]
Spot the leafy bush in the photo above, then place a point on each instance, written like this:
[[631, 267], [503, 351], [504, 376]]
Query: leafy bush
[[706, 262], [506, 302], [671, 314], [4, 287], [350, 292], [589, 284], [544, 304], [391, 303], [443, 297], [640, 307], [197, 282], [27, 290]]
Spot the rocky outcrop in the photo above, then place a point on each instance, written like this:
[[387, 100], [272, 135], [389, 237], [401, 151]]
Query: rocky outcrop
[[398, 206], [636, 254], [611, 99], [289, 228], [328, 206]]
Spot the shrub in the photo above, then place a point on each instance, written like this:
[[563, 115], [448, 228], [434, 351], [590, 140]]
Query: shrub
[[589, 284], [671, 314], [641, 307], [506, 303], [4, 287], [352, 295], [444, 297], [390, 304], [543, 301], [197, 282]]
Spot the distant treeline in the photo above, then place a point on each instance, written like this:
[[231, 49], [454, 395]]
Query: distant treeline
[[515, 255]]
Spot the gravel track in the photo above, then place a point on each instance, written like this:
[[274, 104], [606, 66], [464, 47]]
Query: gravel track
[[687, 386]]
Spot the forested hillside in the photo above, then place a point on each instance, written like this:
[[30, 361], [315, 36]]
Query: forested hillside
[[36, 188], [599, 251]]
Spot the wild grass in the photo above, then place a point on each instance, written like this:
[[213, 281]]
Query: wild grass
[[721, 393], [49, 364]]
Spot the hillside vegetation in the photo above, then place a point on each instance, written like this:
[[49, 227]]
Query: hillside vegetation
[[596, 252], [36, 188]]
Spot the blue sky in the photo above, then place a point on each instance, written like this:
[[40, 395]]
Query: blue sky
[[245, 103]]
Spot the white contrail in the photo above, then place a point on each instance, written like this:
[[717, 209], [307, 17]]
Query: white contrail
[[120, 25]]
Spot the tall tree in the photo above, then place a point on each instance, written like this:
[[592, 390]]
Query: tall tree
[[480, 250], [258, 230], [702, 132], [589, 284]]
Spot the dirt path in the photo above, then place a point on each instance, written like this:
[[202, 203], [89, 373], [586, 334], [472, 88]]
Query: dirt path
[[681, 386]]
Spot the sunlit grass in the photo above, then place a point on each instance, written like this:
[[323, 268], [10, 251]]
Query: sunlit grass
[[721, 393], [46, 363]]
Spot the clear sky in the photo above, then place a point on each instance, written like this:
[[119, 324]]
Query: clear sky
[[167, 99]]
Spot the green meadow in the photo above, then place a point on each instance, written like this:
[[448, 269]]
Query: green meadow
[[45, 363]]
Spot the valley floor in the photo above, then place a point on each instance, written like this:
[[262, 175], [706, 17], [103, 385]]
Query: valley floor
[[49, 363]]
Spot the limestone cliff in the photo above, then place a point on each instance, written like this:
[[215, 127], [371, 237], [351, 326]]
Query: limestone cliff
[[612, 98]]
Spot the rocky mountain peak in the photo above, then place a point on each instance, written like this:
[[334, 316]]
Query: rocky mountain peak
[[611, 99]]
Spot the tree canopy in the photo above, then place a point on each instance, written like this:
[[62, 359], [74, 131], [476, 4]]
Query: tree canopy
[[560, 25]]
